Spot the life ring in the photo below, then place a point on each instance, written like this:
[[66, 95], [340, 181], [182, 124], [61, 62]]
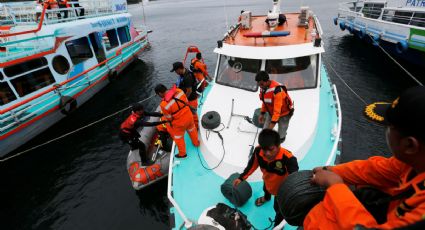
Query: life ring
[[401, 47], [336, 21], [67, 104], [342, 26], [361, 34]]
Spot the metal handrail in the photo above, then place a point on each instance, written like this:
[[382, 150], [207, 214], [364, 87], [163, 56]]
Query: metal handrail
[[339, 125], [187, 222]]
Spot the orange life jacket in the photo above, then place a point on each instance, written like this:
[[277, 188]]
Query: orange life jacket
[[53, 4], [176, 106], [267, 97], [128, 125]]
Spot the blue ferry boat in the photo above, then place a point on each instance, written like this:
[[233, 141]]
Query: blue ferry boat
[[52, 60]]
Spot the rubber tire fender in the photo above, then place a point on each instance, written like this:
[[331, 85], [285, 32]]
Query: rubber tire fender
[[67, 104], [342, 26], [335, 21], [211, 120], [361, 34], [401, 47]]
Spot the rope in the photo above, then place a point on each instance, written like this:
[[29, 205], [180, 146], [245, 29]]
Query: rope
[[405, 70], [72, 132], [222, 145], [340, 78]]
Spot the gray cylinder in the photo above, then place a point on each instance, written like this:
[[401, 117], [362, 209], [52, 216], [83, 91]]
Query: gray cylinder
[[238, 195], [257, 113]]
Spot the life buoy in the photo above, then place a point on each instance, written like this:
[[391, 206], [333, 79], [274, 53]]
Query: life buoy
[[342, 26], [401, 47], [67, 104], [336, 21]]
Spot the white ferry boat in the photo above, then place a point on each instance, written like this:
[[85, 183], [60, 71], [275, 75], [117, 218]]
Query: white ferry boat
[[292, 54], [396, 25], [54, 59]]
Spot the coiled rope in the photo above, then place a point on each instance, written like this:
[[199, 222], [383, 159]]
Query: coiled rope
[[72, 132]]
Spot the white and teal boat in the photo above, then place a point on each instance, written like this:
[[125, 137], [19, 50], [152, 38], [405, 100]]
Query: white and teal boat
[[398, 26], [52, 60], [314, 130]]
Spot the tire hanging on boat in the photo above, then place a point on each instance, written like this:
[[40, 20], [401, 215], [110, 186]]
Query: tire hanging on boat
[[67, 104]]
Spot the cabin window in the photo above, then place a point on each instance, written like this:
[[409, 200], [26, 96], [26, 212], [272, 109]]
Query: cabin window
[[25, 67], [6, 94], [123, 34], [33, 81], [372, 10], [418, 19], [79, 50], [1, 76], [402, 17], [294, 73], [110, 39], [238, 72], [60, 64]]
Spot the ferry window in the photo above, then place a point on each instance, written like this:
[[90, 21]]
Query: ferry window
[[238, 72], [33, 81], [25, 67], [1, 76], [79, 50], [123, 34], [6, 94], [60, 64], [110, 38], [372, 10], [418, 19], [294, 73], [402, 17]]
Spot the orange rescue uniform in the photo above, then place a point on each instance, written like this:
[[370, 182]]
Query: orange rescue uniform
[[200, 71], [275, 101], [274, 171], [178, 112], [340, 209]]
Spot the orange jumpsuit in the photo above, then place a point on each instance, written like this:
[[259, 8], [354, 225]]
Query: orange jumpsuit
[[200, 71], [340, 209], [178, 112]]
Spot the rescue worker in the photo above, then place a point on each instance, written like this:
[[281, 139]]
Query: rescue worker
[[275, 162], [176, 110], [187, 82], [63, 4], [128, 129], [401, 176], [199, 69], [277, 106]]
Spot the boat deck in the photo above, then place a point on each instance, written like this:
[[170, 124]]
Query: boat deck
[[189, 175], [298, 34]]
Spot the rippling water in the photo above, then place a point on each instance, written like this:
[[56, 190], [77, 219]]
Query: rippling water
[[81, 182]]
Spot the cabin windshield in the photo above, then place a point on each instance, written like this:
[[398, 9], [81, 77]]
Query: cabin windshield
[[238, 72], [294, 73]]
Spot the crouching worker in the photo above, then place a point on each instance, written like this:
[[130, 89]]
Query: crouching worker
[[176, 110], [275, 162], [128, 130], [401, 177]]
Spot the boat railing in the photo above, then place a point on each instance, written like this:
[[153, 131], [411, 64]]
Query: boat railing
[[29, 13], [20, 112], [186, 222], [336, 130]]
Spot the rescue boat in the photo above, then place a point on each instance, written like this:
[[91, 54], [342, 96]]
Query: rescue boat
[[291, 52], [52, 60], [158, 153]]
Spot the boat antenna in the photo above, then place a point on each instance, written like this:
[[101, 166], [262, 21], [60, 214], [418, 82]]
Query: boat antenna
[[225, 13]]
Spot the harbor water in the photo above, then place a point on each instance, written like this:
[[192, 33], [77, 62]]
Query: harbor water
[[80, 181]]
